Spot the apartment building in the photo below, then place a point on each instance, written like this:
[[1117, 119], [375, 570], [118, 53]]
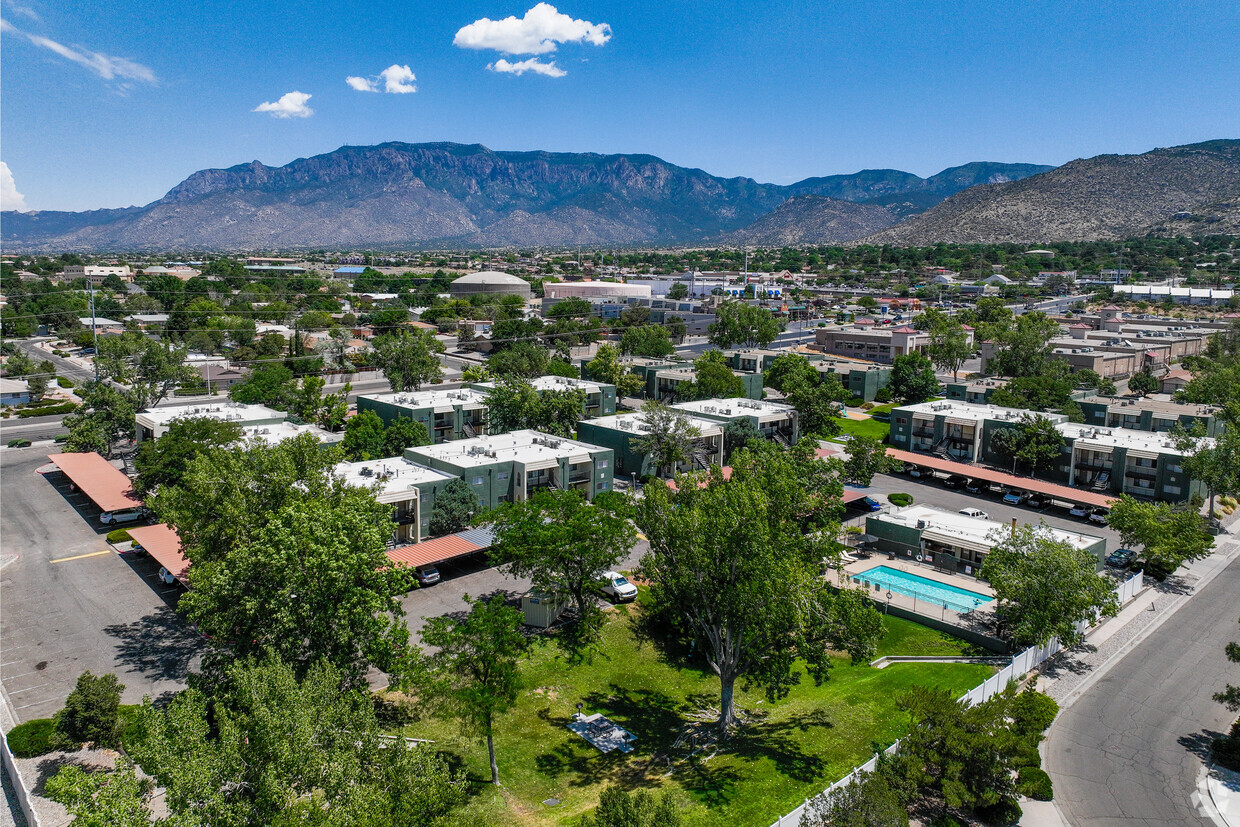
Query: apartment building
[[1146, 414], [600, 397], [776, 421], [510, 467], [153, 423], [408, 487], [446, 414], [620, 433]]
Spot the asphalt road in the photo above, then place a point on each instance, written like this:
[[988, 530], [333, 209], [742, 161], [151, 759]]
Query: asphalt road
[[1130, 750], [70, 603]]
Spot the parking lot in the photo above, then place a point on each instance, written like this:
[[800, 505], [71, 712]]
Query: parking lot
[[71, 603], [928, 491]]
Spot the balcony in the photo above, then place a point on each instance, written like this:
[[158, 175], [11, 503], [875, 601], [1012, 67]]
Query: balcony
[[1141, 473]]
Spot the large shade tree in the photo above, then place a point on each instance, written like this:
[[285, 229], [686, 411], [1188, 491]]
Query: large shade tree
[[409, 359]]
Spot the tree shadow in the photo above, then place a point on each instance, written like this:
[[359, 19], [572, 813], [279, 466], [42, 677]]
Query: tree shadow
[[761, 738], [1198, 743], [1068, 661], [90, 761], [1174, 584], [159, 645]]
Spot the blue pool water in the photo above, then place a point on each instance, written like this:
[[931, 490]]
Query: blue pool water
[[933, 592]]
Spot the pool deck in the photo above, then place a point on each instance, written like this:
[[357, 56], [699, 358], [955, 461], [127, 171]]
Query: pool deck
[[922, 570]]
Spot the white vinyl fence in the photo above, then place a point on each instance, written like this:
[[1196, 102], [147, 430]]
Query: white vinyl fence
[[1019, 665]]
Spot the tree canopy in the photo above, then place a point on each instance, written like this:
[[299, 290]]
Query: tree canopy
[[1032, 441], [668, 438], [1168, 535], [912, 378], [740, 324], [165, 460]]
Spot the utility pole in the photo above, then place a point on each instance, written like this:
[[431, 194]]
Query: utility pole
[[94, 325]]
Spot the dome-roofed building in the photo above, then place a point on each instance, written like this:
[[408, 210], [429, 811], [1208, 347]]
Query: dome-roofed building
[[490, 282]]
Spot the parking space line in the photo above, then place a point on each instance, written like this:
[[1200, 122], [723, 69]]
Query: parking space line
[[35, 703], [80, 556], [28, 688]]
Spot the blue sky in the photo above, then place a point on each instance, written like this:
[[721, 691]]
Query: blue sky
[[111, 104]]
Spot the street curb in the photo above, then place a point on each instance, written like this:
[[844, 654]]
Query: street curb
[[1127, 647], [1207, 802]]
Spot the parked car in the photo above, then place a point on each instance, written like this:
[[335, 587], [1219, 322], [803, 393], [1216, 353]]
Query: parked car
[[973, 486], [916, 471], [975, 512], [1099, 516], [955, 481], [427, 575], [617, 587], [1121, 558], [872, 504], [1014, 497], [166, 577], [127, 515], [1081, 511], [1035, 500]]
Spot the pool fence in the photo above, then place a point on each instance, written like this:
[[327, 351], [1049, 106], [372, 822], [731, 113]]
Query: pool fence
[[1019, 665]]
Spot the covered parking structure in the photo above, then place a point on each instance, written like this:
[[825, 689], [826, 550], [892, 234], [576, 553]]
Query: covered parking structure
[[1057, 493], [442, 549], [105, 485], [164, 545]]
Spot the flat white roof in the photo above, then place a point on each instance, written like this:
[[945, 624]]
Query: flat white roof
[[635, 423], [397, 478], [280, 431], [525, 447], [226, 411], [735, 406], [1129, 438], [555, 383], [974, 531], [440, 398], [975, 411]]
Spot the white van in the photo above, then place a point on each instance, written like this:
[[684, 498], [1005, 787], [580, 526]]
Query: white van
[[975, 512], [127, 515], [617, 587]]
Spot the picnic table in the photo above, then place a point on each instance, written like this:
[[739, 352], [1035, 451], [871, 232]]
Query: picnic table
[[602, 733]]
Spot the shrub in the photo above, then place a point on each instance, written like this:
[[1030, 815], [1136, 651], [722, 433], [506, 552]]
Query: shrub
[[1034, 783], [59, 438], [1001, 813], [855, 402], [32, 739], [63, 408], [1226, 750], [1026, 753], [91, 712], [865, 406], [900, 499], [1033, 712], [19, 443], [120, 535], [883, 396]]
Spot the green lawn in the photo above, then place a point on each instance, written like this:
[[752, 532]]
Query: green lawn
[[864, 427], [790, 749]]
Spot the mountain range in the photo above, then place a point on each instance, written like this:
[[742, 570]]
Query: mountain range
[[453, 195], [443, 195]]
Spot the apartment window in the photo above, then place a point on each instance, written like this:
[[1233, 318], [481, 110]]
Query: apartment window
[[602, 464], [602, 486], [901, 420], [501, 476], [1171, 489], [477, 481], [1175, 469]]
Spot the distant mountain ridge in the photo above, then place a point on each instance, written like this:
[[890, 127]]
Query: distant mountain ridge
[[1177, 190], [446, 194]]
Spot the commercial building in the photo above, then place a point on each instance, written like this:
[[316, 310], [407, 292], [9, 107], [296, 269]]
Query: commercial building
[[95, 273], [776, 421], [1108, 460], [490, 282], [600, 397], [954, 542], [408, 487], [595, 290], [153, 422], [510, 467], [1180, 295], [866, 340], [620, 433], [446, 414]]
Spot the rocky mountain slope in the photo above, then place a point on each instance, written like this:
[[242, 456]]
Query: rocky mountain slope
[[814, 219], [1108, 196], [444, 194]]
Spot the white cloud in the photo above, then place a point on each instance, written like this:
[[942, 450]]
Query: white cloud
[[290, 105], [396, 79], [536, 33], [10, 198], [108, 67], [533, 64], [24, 11]]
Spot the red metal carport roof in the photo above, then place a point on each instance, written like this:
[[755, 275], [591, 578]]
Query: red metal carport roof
[[432, 551], [164, 544], [106, 485], [1050, 489], [851, 496]]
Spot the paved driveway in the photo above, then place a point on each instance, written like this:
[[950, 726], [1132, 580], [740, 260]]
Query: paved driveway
[[1131, 749], [70, 603]]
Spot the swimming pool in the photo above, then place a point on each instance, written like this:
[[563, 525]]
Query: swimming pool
[[933, 592]]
